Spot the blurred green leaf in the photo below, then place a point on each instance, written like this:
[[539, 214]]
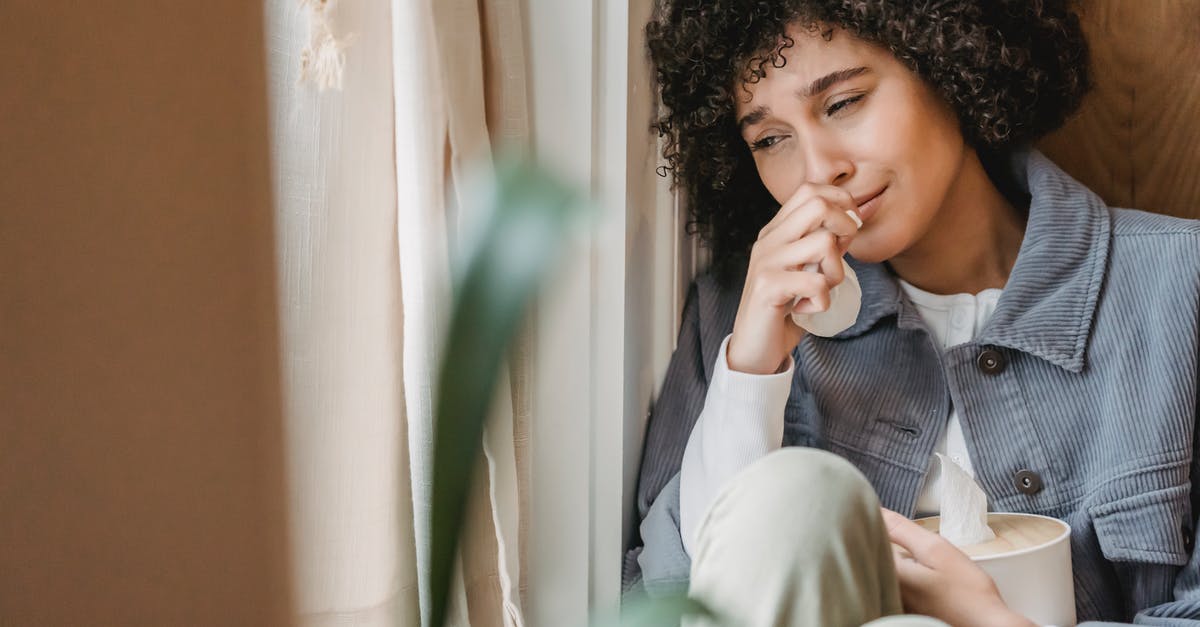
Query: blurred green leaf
[[644, 611], [496, 279]]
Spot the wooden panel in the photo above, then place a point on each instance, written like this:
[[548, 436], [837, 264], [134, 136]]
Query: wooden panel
[[141, 442], [1135, 140]]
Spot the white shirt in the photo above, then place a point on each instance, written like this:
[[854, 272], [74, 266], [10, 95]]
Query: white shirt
[[742, 419]]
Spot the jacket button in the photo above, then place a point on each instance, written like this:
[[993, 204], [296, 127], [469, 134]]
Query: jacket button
[[1189, 538], [991, 361], [1027, 482]]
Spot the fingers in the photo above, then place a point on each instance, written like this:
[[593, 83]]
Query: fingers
[[818, 252], [810, 233], [819, 214], [808, 191], [936, 579], [797, 258], [776, 281], [813, 266], [908, 569], [918, 583], [926, 547], [819, 299], [816, 302], [793, 265], [780, 288], [805, 208]]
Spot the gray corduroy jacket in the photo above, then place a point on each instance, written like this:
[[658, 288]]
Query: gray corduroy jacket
[[1078, 399]]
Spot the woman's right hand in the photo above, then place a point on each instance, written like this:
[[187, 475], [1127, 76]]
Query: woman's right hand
[[812, 227]]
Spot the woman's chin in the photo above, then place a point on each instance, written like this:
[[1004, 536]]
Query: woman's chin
[[869, 252]]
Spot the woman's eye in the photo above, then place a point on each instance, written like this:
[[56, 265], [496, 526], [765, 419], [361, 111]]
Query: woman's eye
[[841, 104], [766, 142]]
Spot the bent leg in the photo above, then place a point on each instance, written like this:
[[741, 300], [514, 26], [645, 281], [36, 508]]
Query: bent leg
[[795, 539]]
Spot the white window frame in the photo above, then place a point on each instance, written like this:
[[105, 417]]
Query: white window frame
[[606, 328]]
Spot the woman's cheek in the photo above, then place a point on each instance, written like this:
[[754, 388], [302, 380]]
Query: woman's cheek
[[781, 177], [770, 179]]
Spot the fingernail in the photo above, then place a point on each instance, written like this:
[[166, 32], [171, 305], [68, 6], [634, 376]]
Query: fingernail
[[854, 216]]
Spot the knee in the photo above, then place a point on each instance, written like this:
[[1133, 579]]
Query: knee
[[796, 467], [799, 483]]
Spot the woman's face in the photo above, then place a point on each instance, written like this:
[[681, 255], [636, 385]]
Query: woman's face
[[845, 112]]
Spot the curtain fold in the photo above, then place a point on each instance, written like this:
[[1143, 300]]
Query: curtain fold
[[370, 205], [341, 316], [457, 105]]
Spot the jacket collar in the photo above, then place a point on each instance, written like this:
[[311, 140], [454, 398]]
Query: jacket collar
[[1049, 302]]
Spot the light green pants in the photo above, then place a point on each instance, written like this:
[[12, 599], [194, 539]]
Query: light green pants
[[797, 539]]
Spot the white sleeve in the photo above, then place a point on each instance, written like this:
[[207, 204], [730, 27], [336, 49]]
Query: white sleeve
[[742, 421]]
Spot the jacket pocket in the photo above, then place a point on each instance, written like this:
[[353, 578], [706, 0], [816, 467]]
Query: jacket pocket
[[1155, 527]]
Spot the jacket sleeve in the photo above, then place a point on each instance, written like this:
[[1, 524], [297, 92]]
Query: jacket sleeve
[[676, 409]]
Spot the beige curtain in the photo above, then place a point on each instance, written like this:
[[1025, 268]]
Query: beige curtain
[[474, 63], [370, 200]]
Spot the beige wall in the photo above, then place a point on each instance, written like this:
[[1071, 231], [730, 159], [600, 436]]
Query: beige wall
[[141, 473]]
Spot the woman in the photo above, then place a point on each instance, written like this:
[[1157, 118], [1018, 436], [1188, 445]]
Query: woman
[[1010, 320]]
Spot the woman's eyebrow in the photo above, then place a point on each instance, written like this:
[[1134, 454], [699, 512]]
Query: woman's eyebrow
[[816, 88], [755, 116]]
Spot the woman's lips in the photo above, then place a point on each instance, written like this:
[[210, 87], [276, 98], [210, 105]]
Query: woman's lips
[[867, 209]]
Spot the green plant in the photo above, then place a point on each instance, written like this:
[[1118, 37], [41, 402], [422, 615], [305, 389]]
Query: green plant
[[496, 278]]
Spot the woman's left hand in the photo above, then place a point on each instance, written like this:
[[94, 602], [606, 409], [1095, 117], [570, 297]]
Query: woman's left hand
[[939, 580]]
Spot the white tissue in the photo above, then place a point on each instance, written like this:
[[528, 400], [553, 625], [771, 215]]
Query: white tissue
[[963, 505], [845, 299]]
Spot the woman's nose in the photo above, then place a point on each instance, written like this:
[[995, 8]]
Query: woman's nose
[[828, 164]]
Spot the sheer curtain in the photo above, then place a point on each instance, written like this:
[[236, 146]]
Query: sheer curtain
[[369, 196]]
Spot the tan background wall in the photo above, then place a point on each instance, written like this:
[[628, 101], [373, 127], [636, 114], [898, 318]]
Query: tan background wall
[[1137, 140], [141, 476]]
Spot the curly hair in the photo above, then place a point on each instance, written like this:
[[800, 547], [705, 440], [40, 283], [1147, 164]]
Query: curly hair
[[1012, 70]]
